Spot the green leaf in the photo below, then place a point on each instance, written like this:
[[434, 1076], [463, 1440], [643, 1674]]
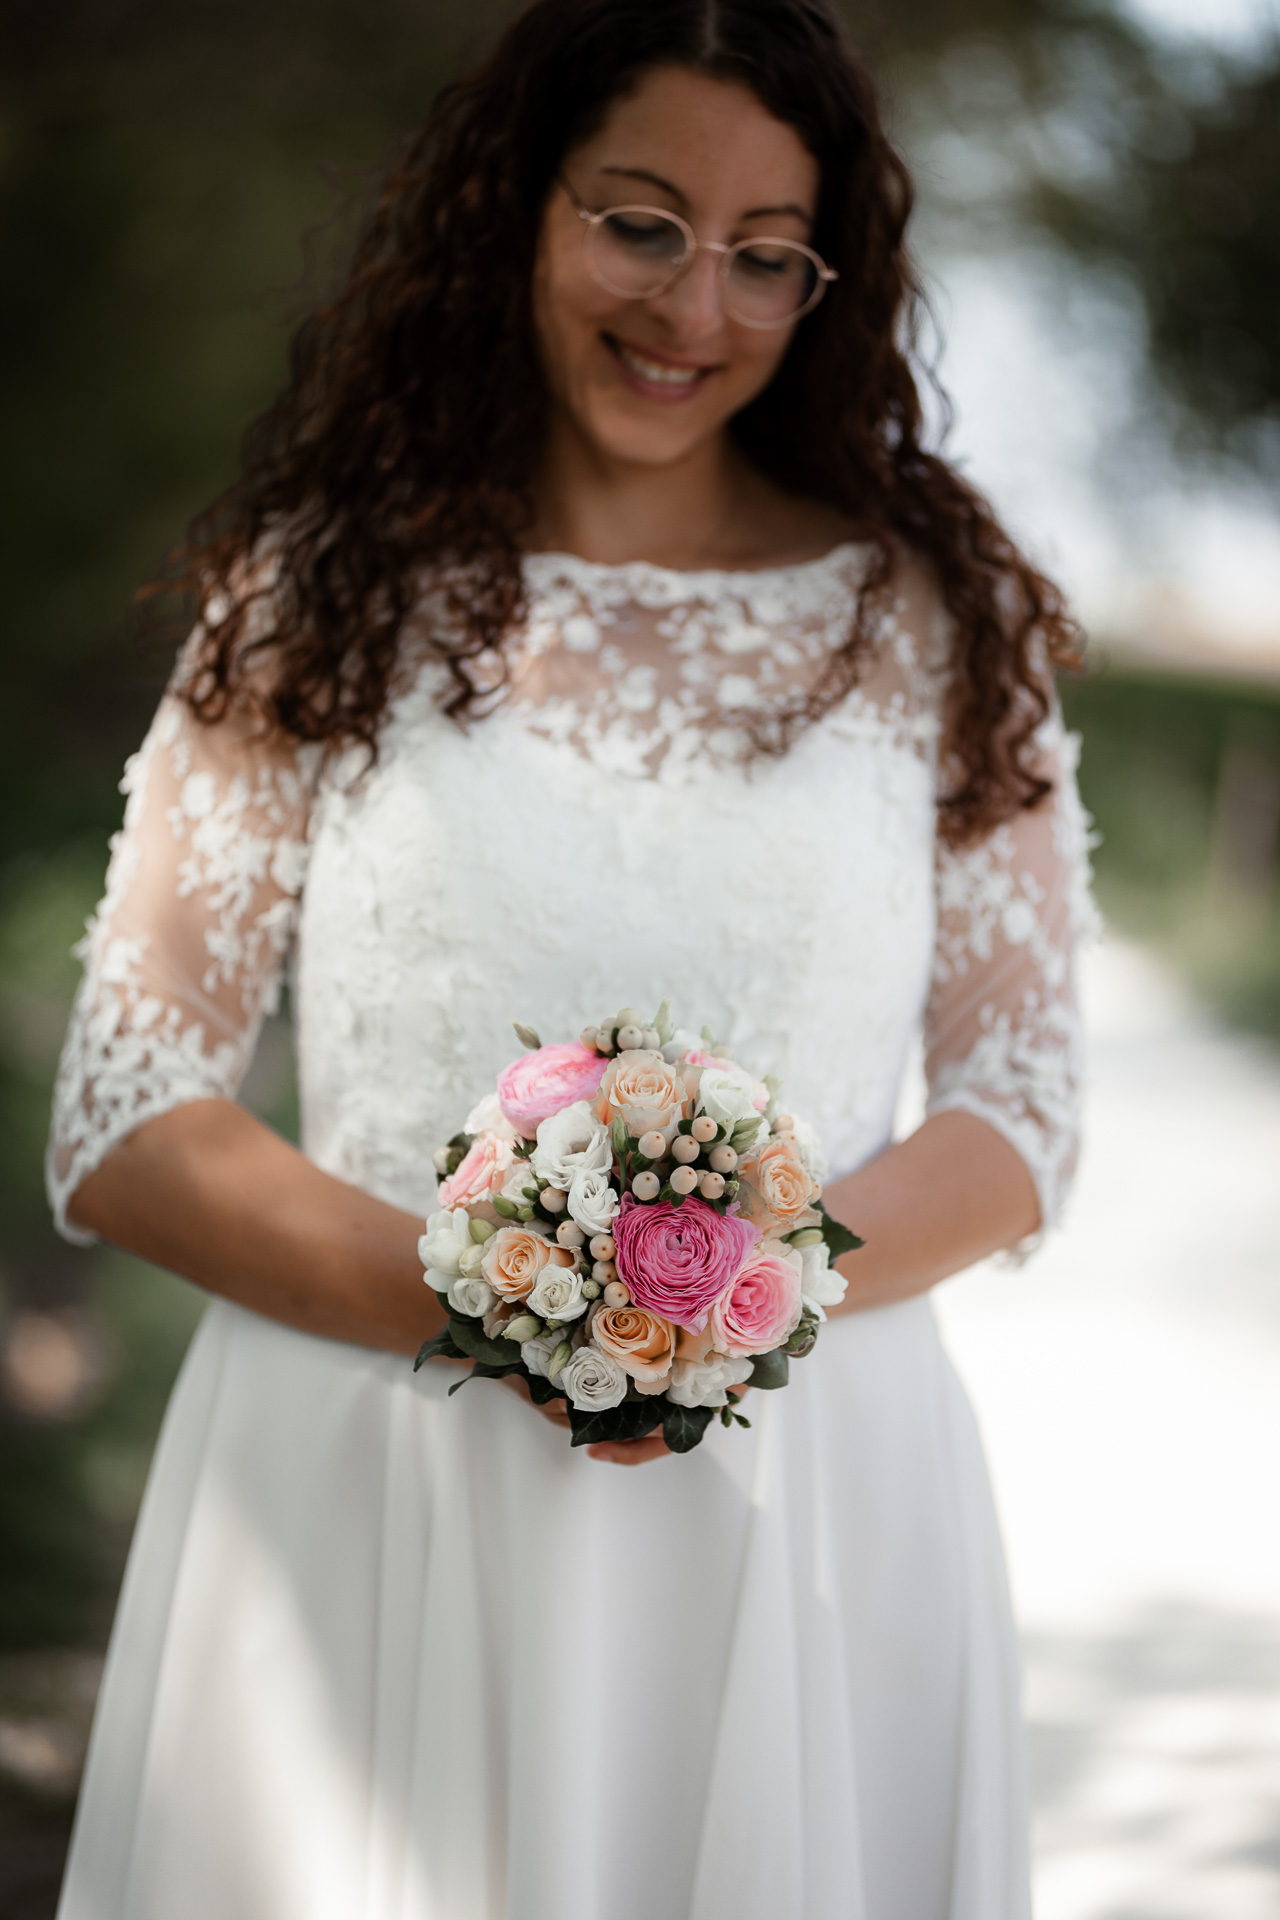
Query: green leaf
[[744, 1133], [683, 1427], [443, 1298], [771, 1370], [471, 1337], [542, 1390], [441, 1347], [631, 1420], [482, 1371], [662, 1022], [522, 1148], [839, 1239], [527, 1036]]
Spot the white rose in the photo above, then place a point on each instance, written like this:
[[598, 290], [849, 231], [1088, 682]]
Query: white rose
[[703, 1383], [592, 1201], [520, 1177], [727, 1094], [593, 1381], [471, 1298], [820, 1285], [442, 1246], [536, 1354], [487, 1117], [557, 1295], [572, 1141], [809, 1147]]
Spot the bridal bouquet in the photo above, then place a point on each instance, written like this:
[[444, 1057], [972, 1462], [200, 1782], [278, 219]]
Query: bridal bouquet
[[630, 1224]]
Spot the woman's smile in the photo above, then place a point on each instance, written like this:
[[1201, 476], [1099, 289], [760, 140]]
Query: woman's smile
[[658, 376]]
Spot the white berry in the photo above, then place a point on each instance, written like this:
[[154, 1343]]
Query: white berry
[[710, 1185], [684, 1147], [683, 1179], [570, 1234], [602, 1246], [653, 1144], [629, 1038], [704, 1128], [723, 1158], [616, 1295], [646, 1186]]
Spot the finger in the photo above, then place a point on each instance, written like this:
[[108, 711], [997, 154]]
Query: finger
[[630, 1453]]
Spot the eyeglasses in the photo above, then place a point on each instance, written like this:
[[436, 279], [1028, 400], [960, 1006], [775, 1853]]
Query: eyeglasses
[[639, 252]]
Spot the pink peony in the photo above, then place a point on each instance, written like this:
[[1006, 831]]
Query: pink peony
[[675, 1261], [760, 1307], [481, 1172], [539, 1084]]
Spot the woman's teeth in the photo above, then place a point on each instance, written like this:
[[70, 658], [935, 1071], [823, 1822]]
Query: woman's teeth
[[663, 376]]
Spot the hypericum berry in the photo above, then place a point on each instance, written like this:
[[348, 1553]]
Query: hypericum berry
[[784, 1124], [652, 1039], [603, 1042], [653, 1144], [570, 1234], [683, 1179], [684, 1147], [703, 1129], [710, 1185], [602, 1247], [587, 1038], [616, 1295], [629, 1038], [646, 1186], [629, 1017], [604, 1271], [723, 1158], [553, 1199]]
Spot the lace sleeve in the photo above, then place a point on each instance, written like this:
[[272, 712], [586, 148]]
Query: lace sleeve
[[183, 957], [1002, 1029]]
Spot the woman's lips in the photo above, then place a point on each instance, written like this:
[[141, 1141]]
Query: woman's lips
[[656, 378]]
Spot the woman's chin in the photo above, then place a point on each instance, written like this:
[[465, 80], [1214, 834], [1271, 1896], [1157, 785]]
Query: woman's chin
[[633, 435]]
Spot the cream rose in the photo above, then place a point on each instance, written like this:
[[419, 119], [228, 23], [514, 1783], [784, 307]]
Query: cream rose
[[593, 1201], [729, 1094], [471, 1298], [514, 1258], [642, 1091], [571, 1141], [444, 1245], [640, 1342], [593, 1381], [778, 1176], [557, 1293]]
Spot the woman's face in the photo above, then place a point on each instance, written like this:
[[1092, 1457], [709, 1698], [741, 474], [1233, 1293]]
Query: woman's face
[[645, 381]]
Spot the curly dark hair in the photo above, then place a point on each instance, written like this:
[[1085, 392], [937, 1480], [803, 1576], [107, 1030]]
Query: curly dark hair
[[414, 415]]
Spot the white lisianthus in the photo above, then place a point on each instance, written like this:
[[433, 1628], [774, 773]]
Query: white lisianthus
[[571, 1141], [442, 1246], [593, 1380], [820, 1285], [520, 1176], [557, 1295], [807, 1144], [472, 1298], [727, 1094], [592, 1201], [704, 1383], [487, 1117], [536, 1354]]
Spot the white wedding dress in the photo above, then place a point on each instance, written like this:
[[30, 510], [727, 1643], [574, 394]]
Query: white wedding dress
[[386, 1655]]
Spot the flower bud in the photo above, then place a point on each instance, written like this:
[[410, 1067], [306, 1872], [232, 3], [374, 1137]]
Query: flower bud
[[616, 1295], [684, 1148], [587, 1038], [683, 1179], [469, 1260], [629, 1038], [591, 1289], [646, 1186], [703, 1128], [723, 1158], [556, 1363], [482, 1230], [523, 1327], [806, 1237], [653, 1144], [570, 1234], [440, 1159], [604, 1271], [710, 1185], [553, 1200], [602, 1247]]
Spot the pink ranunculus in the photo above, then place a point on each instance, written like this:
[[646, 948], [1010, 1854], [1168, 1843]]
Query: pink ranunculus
[[539, 1084], [675, 1261], [481, 1172], [760, 1306]]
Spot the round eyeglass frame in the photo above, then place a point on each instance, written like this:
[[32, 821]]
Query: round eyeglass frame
[[692, 247]]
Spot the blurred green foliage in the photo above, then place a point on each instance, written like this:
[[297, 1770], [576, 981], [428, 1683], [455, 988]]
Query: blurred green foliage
[[159, 161]]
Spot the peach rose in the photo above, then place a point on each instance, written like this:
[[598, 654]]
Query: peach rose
[[641, 1342], [776, 1181], [514, 1258], [481, 1171], [640, 1089]]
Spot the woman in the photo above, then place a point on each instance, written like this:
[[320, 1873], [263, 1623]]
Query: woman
[[589, 623]]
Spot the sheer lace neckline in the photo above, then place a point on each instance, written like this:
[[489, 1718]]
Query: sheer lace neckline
[[548, 565]]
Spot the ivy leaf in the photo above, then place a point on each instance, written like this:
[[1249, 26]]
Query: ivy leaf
[[770, 1370], [541, 1391], [471, 1337], [442, 1347], [838, 1238], [482, 1371], [683, 1427], [527, 1036], [631, 1420]]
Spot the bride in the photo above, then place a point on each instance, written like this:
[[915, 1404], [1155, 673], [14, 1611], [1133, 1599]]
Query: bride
[[589, 623]]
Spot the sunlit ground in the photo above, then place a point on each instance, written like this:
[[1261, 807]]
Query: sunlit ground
[[1128, 1384]]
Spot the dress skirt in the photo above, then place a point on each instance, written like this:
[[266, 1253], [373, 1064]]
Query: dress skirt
[[386, 1654]]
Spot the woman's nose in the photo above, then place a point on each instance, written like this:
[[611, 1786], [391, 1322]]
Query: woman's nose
[[692, 304]]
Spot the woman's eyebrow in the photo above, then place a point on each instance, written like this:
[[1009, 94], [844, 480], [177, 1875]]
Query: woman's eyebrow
[[753, 213]]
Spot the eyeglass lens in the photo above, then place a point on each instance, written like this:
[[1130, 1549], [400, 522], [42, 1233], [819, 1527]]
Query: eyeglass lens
[[638, 253]]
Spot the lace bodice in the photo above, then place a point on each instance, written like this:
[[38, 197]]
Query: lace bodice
[[602, 836]]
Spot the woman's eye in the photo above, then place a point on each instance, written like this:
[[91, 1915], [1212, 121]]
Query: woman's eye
[[634, 231], [768, 263]]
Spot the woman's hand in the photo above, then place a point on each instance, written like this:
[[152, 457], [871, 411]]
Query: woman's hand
[[556, 1411]]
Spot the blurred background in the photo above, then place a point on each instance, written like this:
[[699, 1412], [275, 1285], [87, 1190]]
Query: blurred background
[[1100, 225]]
